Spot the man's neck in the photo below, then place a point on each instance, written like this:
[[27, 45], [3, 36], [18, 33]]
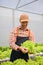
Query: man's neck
[[23, 28]]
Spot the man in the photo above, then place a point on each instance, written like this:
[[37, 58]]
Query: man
[[18, 36]]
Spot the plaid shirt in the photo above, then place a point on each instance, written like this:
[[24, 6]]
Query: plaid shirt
[[16, 32]]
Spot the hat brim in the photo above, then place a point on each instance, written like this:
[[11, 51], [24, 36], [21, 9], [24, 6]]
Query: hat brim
[[24, 20]]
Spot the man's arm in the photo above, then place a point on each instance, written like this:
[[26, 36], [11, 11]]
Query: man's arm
[[13, 36], [31, 36]]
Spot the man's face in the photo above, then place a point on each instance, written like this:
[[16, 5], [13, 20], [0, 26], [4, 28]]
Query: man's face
[[24, 23]]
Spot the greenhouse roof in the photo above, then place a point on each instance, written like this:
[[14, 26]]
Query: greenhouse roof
[[32, 6]]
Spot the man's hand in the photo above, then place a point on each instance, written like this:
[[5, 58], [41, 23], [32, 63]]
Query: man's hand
[[24, 50], [16, 47]]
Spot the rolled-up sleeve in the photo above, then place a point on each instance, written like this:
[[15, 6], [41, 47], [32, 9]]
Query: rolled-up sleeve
[[12, 39], [31, 36]]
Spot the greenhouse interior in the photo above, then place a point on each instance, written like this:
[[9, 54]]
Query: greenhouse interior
[[10, 12]]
